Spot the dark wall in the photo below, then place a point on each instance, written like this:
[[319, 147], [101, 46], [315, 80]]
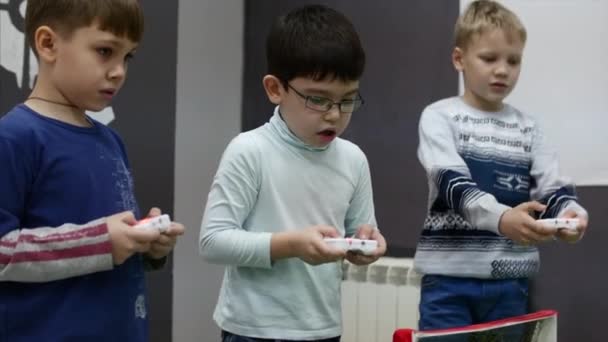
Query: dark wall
[[145, 118], [146, 122], [572, 278], [408, 66]]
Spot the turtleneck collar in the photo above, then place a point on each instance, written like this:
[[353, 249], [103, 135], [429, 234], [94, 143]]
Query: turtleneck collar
[[279, 126]]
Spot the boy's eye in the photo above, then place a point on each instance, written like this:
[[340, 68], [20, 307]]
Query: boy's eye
[[105, 52], [347, 105], [318, 101], [129, 57], [488, 59], [514, 61]]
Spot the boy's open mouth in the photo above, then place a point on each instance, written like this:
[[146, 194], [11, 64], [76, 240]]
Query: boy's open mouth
[[327, 133], [108, 93]]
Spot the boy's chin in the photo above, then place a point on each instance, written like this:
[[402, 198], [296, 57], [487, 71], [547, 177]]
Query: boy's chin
[[324, 142], [95, 108]]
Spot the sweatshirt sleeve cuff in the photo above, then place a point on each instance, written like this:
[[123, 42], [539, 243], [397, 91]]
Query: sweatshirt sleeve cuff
[[489, 215], [262, 253], [574, 206]]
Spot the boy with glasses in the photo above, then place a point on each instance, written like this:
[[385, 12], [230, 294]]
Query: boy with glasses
[[283, 187]]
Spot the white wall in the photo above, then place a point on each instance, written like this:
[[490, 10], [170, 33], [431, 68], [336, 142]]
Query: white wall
[[564, 80], [209, 87]]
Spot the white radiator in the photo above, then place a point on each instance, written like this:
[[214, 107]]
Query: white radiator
[[379, 298]]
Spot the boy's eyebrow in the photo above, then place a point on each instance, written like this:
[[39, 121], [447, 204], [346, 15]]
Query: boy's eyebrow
[[111, 41], [116, 42], [329, 94]]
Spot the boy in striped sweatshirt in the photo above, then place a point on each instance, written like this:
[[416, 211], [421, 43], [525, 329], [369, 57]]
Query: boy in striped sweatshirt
[[71, 267], [491, 173]]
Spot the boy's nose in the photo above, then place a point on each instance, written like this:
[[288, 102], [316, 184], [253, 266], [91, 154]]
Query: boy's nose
[[502, 70], [333, 113], [118, 72]]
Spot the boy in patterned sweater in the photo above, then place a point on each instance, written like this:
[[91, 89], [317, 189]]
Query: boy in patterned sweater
[[491, 173]]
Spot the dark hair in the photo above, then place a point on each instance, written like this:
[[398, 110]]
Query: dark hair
[[121, 17], [317, 42]]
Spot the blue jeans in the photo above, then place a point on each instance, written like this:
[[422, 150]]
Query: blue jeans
[[230, 337], [449, 302]]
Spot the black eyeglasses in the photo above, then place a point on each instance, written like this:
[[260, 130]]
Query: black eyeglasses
[[323, 104]]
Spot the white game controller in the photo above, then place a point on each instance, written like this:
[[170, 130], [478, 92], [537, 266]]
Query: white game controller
[[162, 223], [365, 247], [557, 223]]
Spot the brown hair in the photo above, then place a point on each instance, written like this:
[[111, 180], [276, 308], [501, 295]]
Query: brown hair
[[120, 17]]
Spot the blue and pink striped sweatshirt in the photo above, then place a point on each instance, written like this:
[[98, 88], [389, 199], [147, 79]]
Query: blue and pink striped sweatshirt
[[57, 279]]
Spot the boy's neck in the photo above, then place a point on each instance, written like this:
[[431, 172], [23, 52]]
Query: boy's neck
[[480, 104], [53, 105]]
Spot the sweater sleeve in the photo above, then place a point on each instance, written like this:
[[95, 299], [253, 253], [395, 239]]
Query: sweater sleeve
[[549, 187], [361, 208], [234, 191], [44, 253], [450, 179]]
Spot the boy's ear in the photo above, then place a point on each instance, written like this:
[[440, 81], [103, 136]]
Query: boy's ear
[[45, 43], [274, 89], [457, 55]]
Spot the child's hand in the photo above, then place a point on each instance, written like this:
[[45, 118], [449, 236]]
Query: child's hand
[[125, 240], [518, 225], [162, 246], [570, 235], [368, 232], [309, 246]]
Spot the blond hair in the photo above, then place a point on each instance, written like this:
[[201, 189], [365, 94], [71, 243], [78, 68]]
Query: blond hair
[[486, 15]]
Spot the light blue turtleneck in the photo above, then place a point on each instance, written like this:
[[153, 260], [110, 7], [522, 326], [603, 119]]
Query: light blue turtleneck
[[270, 181]]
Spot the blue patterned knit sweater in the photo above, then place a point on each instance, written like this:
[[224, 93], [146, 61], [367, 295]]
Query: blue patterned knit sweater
[[480, 164]]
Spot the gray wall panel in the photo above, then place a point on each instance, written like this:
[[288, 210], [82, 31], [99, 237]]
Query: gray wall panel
[[572, 278], [209, 86]]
